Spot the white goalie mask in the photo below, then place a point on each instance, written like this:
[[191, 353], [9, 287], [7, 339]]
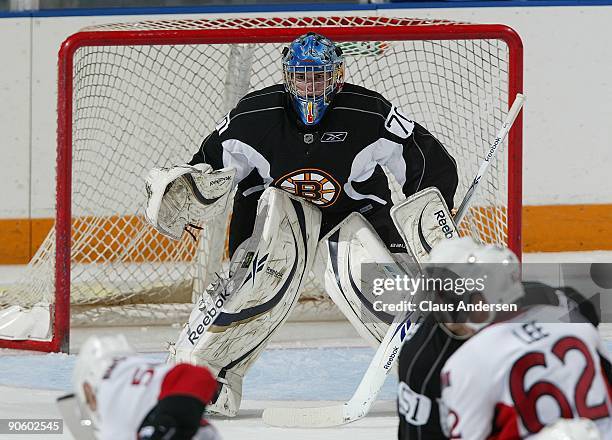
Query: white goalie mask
[[485, 273], [96, 356]]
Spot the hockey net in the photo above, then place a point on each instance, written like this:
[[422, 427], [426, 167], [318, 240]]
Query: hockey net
[[138, 95]]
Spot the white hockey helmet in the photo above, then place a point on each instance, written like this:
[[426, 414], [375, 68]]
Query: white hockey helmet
[[95, 358], [497, 268]]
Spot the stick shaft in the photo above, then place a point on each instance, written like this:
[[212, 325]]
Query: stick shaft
[[490, 156]]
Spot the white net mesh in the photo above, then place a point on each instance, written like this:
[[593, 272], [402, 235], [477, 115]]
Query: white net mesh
[[149, 104]]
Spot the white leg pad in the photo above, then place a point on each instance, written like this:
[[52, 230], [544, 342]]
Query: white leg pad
[[341, 255], [266, 274]]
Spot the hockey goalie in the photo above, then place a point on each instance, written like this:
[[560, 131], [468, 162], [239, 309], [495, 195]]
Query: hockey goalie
[[305, 161]]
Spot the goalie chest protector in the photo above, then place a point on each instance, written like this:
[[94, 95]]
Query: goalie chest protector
[[335, 165]]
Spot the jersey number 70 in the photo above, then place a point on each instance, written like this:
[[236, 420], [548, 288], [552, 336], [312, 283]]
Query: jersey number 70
[[398, 124]]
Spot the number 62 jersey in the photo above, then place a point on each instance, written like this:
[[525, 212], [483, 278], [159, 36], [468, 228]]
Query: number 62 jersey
[[512, 379]]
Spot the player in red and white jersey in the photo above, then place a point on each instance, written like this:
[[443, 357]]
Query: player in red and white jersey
[[129, 397], [512, 379], [521, 370]]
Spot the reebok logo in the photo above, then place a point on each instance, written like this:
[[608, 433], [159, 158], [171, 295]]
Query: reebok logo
[[391, 357], [278, 274], [219, 180], [492, 149], [210, 314], [257, 264], [149, 190], [334, 136], [442, 221]]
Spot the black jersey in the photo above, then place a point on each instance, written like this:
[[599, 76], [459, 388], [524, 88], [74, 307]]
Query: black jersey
[[337, 164], [421, 360]]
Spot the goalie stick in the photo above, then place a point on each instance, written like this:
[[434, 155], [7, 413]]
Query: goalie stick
[[490, 156], [363, 398], [387, 353]]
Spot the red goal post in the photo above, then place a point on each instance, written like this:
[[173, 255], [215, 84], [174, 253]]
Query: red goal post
[[457, 59]]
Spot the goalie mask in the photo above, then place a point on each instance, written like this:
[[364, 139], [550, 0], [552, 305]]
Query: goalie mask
[[471, 282], [313, 73]]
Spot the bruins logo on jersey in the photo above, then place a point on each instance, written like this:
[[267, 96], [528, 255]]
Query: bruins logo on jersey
[[312, 184]]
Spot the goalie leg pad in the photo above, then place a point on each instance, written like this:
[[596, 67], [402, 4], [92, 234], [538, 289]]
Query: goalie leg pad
[[266, 274], [351, 257], [423, 219]]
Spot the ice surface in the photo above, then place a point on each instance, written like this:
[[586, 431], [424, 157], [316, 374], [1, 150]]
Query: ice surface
[[280, 374], [381, 423], [296, 375], [30, 383]]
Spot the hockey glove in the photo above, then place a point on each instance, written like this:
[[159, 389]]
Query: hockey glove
[[173, 418]]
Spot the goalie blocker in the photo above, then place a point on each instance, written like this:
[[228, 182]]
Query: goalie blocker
[[423, 220]]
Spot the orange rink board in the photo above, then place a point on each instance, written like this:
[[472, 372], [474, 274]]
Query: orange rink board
[[546, 228]]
